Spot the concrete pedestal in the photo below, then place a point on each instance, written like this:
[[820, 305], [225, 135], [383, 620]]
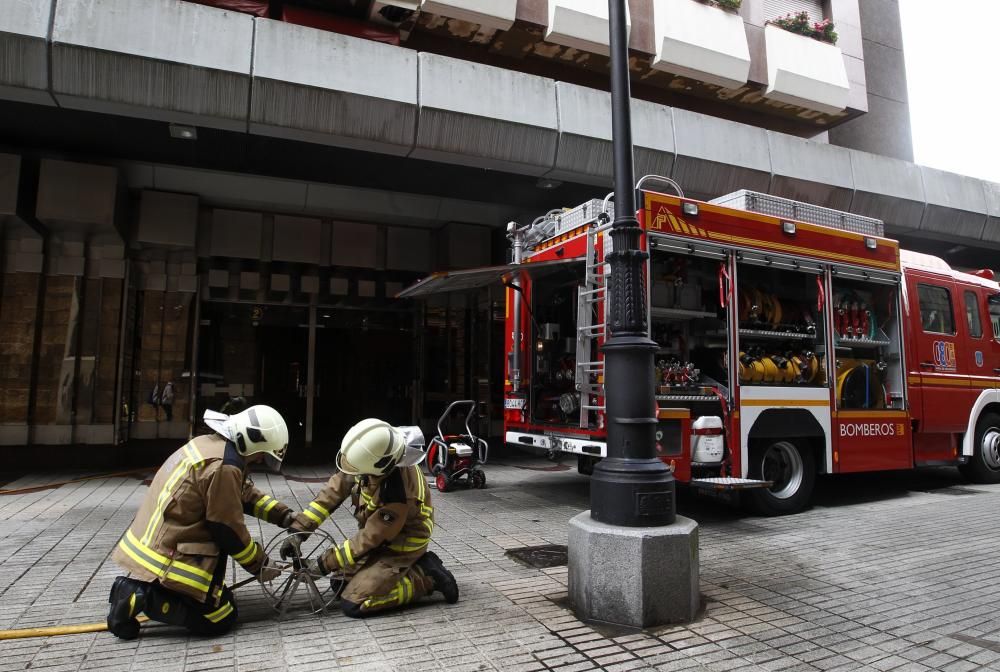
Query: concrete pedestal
[[633, 576]]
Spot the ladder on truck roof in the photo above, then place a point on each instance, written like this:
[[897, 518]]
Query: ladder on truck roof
[[588, 364]]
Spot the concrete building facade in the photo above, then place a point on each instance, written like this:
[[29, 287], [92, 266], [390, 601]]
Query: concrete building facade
[[226, 195]]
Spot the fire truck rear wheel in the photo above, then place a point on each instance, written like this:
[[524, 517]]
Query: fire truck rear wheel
[[792, 468], [984, 467]]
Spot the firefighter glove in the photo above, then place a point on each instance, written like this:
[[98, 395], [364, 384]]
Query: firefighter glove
[[291, 547], [315, 567], [269, 571], [287, 520]]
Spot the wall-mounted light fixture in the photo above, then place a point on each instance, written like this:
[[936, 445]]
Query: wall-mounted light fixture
[[182, 132]]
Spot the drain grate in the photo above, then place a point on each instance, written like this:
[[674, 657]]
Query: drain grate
[[540, 557], [954, 490]]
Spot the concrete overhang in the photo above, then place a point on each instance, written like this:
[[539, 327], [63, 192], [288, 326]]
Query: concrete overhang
[[887, 189], [716, 157], [956, 204], [813, 172], [316, 86], [991, 232], [24, 59], [157, 59], [584, 151], [485, 117]]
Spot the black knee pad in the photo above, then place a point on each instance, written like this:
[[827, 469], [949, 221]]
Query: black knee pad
[[167, 606]]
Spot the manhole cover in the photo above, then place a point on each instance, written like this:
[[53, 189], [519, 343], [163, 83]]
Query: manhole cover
[[539, 556], [954, 490]]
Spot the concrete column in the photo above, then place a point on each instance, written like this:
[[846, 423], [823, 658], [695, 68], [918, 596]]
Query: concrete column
[[193, 388], [311, 377]]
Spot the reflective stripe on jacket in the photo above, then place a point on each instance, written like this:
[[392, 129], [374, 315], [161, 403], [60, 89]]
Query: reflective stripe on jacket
[[394, 515], [191, 515]]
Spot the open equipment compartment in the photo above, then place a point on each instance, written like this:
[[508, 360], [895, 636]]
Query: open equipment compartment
[[867, 341], [780, 307], [689, 321], [554, 398]]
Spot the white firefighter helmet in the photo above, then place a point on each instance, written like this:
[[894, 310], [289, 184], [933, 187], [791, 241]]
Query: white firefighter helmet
[[374, 447], [258, 429]]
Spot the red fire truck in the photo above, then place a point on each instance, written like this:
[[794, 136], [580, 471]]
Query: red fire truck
[[793, 340]]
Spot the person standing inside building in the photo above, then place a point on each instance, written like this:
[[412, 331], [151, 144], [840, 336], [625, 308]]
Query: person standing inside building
[[167, 400], [154, 400], [191, 520], [387, 561]]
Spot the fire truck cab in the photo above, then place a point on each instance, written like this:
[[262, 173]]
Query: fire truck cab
[[793, 340]]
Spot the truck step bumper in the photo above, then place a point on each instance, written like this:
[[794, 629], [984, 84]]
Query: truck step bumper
[[728, 483]]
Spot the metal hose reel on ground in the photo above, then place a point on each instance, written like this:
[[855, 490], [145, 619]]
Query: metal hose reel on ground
[[295, 590]]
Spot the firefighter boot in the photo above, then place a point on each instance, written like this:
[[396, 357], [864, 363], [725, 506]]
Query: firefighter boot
[[444, 581], [128, 599]]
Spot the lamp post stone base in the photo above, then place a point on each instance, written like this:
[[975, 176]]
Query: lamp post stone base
[[639, 577]]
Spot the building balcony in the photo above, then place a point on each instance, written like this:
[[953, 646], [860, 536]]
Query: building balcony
[[805, 72], [702, 42], [580, 24], [492, 14]]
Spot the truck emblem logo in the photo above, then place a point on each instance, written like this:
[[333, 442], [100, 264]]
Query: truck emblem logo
[[979, 358], [944, 355]]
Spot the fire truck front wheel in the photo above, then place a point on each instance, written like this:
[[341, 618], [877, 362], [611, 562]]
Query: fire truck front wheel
[[984, 467], [792, 470]]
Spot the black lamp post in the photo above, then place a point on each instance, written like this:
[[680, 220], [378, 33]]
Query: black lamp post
[[630, 487]]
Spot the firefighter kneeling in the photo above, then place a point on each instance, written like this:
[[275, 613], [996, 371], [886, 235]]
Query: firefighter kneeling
[[191, 520], [387, 563]]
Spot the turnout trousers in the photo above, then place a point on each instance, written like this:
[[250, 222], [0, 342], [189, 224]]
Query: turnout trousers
[[386, 581], [131, 597]]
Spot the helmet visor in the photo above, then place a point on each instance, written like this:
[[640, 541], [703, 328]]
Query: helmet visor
[[413, 439], [272, 463]]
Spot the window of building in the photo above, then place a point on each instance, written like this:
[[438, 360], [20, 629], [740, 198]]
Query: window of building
[[972, 315], [936, 316], [775, 9]]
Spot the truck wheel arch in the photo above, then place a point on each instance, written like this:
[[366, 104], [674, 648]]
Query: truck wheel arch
[[791, 423], [988, 401]]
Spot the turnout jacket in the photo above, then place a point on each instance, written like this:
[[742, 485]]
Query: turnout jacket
[[192, 517], [394, 514]]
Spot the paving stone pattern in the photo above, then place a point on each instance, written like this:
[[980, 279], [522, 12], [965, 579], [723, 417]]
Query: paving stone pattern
[[886, 572]]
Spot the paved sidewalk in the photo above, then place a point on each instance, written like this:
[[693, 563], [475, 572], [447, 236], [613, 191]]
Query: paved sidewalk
[[886, 572]]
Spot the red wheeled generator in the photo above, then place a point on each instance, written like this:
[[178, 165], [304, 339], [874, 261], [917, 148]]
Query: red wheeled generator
[[454, 457]]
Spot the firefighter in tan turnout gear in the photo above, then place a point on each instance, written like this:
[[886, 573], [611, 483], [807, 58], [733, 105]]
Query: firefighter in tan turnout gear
[[192, 520], [387, 563]]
